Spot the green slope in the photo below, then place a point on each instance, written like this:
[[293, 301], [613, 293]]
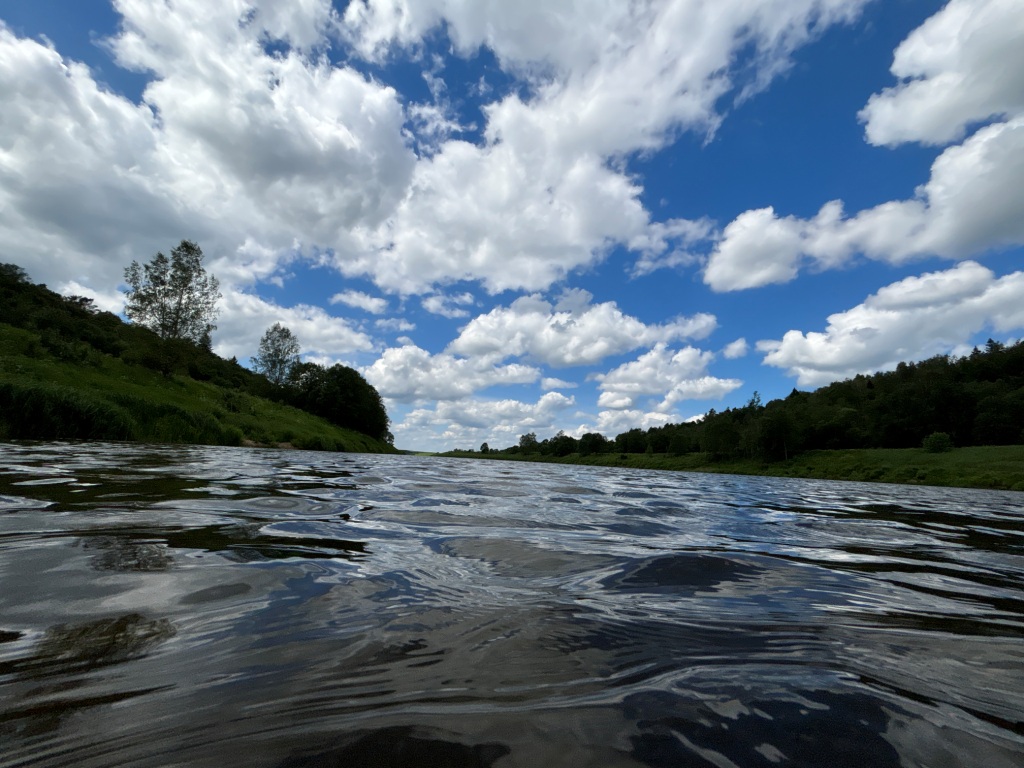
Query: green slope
[[103, 397]]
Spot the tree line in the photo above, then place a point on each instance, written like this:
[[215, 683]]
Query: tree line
[[172, 303], [938, 403]]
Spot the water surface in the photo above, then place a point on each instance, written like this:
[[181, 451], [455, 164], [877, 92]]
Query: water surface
[[242, 607]]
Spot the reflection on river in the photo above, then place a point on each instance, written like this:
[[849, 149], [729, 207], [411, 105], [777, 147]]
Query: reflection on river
[[234, 607]]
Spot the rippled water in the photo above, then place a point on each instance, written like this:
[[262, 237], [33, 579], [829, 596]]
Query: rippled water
[[231, 607]]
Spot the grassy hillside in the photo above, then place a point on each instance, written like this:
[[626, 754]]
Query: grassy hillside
[[100, 396], [994, 466]]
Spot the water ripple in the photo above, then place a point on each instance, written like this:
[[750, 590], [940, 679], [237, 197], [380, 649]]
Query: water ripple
[[219, 607]]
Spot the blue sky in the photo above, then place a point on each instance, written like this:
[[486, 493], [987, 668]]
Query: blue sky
[[532, 217]]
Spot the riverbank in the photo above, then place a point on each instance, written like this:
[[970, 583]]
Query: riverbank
[[995, 467]]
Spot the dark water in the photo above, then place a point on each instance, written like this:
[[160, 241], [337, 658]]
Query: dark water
[[168, 606]]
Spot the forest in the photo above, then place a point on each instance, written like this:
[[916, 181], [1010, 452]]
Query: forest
[[939, 403], [71, 371]]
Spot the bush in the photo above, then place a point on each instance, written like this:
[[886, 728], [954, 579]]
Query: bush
[[937, 442]]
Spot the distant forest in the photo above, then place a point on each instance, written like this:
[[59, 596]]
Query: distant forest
[[938, 403], [73, 330]]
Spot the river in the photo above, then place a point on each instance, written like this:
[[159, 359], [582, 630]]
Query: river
[[194, 606]]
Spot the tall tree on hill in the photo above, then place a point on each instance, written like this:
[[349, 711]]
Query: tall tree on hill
[[278, 354], [174, 297]]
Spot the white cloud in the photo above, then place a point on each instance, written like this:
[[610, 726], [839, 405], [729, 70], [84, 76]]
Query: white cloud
[[550, 383], [395, 325], [373, 304], [259, 158], [448, 306], [756, 249], [265, 157], [408, 374], [245, 318], [912, 319], [971, 204], [108, 301], [543, 194], [672, 375], [469, 422], [572, 333], [615, 422], [671, 244], [963, 65], [736, 349]]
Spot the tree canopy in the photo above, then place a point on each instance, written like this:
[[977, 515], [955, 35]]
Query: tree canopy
[[936, 403], [174, 297], [278, 353], [342, 396]]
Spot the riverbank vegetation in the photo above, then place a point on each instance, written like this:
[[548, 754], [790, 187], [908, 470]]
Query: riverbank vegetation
[[71, 371], [956, 421], [994, 467]]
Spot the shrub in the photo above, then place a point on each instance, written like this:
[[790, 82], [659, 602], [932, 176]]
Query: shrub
[[937, 442]]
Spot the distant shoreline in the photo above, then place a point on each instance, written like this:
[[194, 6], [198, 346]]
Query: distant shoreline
[[995, 467]]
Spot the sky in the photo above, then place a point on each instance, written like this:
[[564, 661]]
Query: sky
[[534, 216]]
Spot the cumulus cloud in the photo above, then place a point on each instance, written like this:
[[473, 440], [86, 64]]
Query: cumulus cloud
[[674, 376], [469, 422], [736, 349], [260, 157], [964, 65], [448, 306], [614, 422], [549, 383], [245, 317], [968, 206], [574, 332], [408, 374], [394, 325], [542, 195], [252, 142], [373, 304], [912, 319]]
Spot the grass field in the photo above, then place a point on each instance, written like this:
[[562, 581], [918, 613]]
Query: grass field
[[997, 467]]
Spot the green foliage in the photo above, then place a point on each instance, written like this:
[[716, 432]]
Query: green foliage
[[974, 400], [34, 410], [591, 443], [937, 442], [996, 467], [68, 371], [278, 354], [341, 395], [528, 443], [174, 297]]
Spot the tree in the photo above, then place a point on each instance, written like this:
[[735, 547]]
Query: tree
[[174, 297], [528, 443], [278, 354], [563, 444], [592, 442], [342, 396], [937, 442]]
